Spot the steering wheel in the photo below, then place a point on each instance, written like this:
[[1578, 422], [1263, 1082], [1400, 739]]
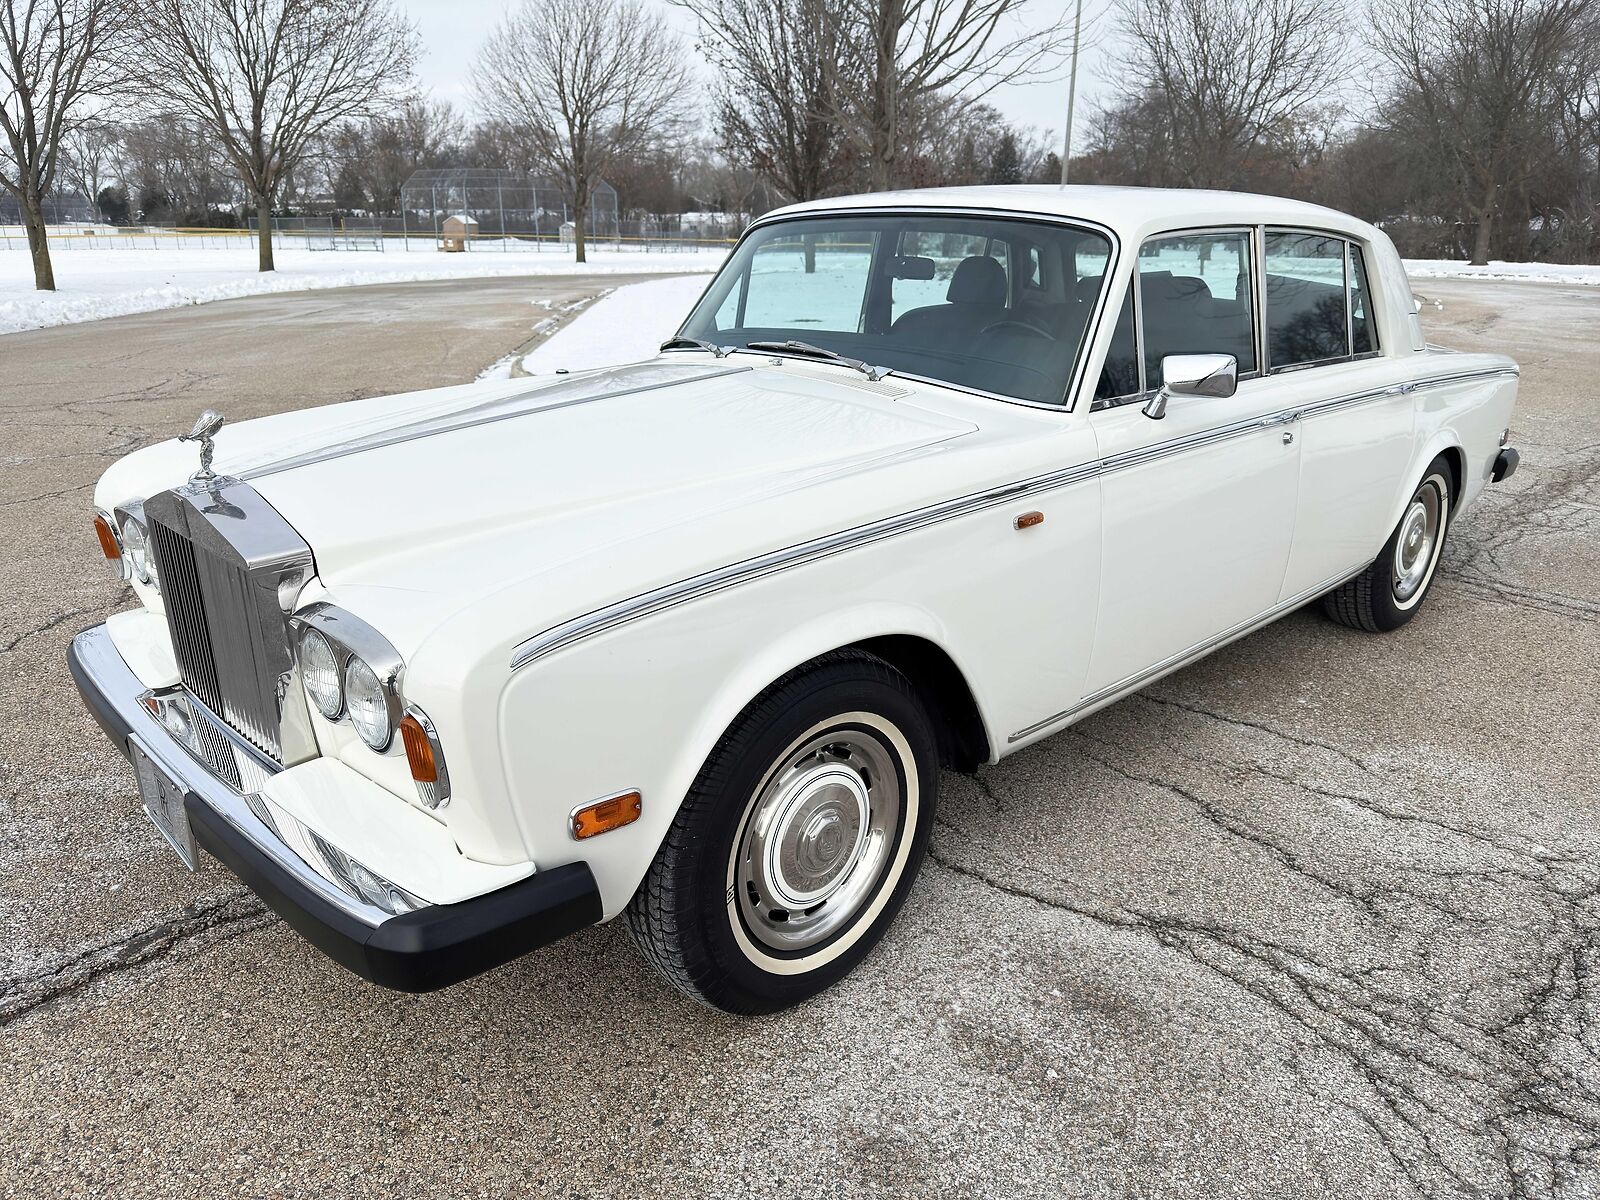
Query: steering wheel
[[1027, 327]]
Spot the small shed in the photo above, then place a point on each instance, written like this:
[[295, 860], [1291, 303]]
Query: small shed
[[569, 233], [454, 234]]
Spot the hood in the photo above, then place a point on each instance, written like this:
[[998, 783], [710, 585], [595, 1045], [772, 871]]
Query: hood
[[460, 492]]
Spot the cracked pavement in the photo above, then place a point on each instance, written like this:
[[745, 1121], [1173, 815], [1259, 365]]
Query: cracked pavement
[[1318, 916]]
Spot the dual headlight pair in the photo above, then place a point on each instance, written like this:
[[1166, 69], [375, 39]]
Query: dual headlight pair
[[351, 672], [343, 685]]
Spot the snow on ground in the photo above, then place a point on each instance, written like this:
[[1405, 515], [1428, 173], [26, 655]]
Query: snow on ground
[[110, 280], [627, 325], [1440, 268]]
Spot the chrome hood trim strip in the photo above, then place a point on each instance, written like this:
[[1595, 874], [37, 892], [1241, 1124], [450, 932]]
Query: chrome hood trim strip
[[544, 396], [558, 637]]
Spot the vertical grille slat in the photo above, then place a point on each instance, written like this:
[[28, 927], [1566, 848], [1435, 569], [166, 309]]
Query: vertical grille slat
[[216, 636]]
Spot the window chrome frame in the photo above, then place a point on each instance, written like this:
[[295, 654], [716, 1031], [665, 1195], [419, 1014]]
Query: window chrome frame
[[1253, 238], [1076, 382]]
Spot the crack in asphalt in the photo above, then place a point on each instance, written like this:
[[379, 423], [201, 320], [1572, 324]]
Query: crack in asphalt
[[1453, 1099], [176, 936]]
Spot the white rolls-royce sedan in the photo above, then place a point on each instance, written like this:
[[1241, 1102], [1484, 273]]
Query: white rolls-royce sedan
[[923, 478]]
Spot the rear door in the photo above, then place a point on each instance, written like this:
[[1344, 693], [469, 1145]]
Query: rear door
[[1199, 506], [1356, 427]]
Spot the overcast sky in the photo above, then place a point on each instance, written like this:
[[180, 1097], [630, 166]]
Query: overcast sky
[[452, 31]]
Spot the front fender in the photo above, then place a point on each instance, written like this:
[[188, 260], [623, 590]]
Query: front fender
[[642, 707]]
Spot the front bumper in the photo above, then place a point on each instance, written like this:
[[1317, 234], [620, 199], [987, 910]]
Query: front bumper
[[418, 951], [1505, 464]]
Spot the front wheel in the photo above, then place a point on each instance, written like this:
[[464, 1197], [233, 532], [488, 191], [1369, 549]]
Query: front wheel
[[798, 842], [1388, 593]]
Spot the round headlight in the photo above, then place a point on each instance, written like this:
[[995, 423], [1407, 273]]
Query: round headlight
[[319, 671], [366, 704], [136, 547]]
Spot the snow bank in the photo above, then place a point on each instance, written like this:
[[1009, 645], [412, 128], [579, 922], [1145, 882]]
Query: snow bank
[[1441, 268], [625, 326], [114, 281]]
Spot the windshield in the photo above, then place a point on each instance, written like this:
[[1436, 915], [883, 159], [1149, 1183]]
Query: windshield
[[981, 302]]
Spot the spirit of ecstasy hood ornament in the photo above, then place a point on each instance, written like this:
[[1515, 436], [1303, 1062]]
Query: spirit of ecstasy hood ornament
[[204, 430]]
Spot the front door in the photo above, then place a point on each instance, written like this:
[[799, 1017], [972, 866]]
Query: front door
[[1198, 508]]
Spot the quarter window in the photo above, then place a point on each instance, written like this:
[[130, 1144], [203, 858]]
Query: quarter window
[[1307, 317], [1363, 340], [1195, 298]]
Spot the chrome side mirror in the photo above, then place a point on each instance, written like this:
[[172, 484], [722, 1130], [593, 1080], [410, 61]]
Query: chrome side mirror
[[1212, 375]]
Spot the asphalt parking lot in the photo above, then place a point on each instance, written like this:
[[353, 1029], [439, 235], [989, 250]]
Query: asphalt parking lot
[[1317, 916]]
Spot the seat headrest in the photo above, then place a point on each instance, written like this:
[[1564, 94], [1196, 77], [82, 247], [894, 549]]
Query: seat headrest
[[978, 280]]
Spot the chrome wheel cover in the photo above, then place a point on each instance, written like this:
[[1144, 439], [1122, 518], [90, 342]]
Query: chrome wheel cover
[[817, 839], [1418, 542]]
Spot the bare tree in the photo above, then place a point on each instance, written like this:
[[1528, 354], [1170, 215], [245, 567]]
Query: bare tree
[[777, 65], [55, 55], [268, 78], [590, 80], [1482, 84], [369, 161], [905, 55], [90, 152], [1219, 77]]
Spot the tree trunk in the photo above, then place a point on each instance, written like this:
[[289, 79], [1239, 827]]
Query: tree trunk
[[1480, 243], [885, 139], [578, 224], [44, 275], [264, 232]]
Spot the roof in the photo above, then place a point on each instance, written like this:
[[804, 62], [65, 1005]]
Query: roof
[[1133, 212]]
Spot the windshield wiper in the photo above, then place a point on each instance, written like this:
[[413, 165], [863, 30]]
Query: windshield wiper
[[698, 343], [793, 347]]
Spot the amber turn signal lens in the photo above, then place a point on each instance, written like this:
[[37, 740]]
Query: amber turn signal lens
[[419, 750], [605, 815], [108, 540], [1029, 519]]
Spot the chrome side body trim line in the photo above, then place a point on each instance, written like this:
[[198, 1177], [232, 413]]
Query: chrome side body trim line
[[762, 565], [658, 599], [1133, 683]]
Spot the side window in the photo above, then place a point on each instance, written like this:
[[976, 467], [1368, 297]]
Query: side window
[[1364, 336], [820, 286], [1120, 374], [1194, 293], [1306, 314]]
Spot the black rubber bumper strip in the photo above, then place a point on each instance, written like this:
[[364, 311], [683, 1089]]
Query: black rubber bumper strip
[[1505, 464], [419, 951]]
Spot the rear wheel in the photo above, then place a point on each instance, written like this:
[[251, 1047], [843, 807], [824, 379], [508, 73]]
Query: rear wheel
[[799, 841], [1388, 593]]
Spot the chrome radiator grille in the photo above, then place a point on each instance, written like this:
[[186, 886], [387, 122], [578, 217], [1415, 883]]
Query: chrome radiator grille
[[209, 617], [227, 562]]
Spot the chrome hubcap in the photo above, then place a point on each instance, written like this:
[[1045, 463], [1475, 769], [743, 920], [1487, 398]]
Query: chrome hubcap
[[817, 839], [1414, 548]]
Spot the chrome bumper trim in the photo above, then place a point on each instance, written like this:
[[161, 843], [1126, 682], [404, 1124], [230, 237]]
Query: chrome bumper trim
[[117, 703]]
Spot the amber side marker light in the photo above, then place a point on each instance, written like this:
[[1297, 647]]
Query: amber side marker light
[[108, 540], [605, 815], [419, 750], [1029, 519]]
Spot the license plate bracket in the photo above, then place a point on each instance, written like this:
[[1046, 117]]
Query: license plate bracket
[[163, 797]]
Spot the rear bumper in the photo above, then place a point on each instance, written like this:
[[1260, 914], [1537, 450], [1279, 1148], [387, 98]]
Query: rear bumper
[[417, 951], [1505, 464]]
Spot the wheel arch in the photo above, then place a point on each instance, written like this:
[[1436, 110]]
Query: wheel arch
[[1444, 444], [963, 741]]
